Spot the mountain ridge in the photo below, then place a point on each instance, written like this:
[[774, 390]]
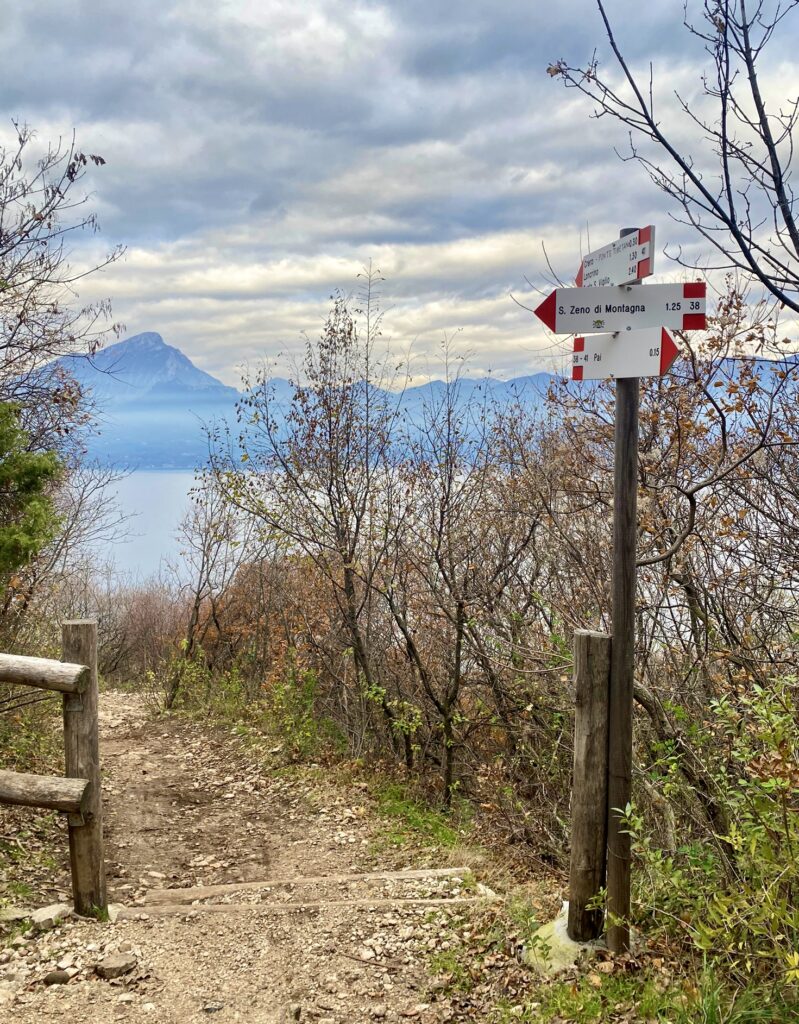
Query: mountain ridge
[[152, 402]]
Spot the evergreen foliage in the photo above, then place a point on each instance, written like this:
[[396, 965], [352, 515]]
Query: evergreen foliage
[[27, 517]]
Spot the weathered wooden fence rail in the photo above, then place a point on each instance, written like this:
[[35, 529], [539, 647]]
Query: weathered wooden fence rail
[[79, 794]]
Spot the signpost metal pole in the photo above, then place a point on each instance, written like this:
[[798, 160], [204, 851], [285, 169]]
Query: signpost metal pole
[[620, 718]]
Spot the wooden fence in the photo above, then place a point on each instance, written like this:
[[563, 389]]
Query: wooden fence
[[78, 795]]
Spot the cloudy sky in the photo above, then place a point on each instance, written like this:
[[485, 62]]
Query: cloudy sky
[[261, 152]]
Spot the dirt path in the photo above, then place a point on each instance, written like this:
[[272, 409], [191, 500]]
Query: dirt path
[[187, 808]]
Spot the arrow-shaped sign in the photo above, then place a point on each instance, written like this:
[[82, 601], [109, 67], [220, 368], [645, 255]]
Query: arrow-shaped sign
[[627, 308], [648, 353], [623, 260]]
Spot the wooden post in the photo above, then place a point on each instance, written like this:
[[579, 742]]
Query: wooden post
[[590, 784], [620, 737], [82, 761]]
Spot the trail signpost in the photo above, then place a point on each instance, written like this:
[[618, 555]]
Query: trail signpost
[[624, 308], [647, 353], [609, 297], [623, 261]]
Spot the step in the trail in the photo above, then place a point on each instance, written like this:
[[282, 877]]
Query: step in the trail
[[206, 892], [182, 910]]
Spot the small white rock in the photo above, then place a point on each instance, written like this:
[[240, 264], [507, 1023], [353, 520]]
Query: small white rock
[[49, 917]]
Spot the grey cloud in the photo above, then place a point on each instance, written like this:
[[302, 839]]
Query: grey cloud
[[254, 135]]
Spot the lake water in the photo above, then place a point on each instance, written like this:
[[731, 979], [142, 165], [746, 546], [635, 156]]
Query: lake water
[[156, 501]]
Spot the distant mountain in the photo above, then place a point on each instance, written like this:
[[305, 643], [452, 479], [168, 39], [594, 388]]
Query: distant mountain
[[152, 403], [528, 391], [144, 370]]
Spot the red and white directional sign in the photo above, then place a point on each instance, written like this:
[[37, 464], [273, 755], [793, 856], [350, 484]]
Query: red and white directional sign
[[626, 308], [622, 261], [647, 353]]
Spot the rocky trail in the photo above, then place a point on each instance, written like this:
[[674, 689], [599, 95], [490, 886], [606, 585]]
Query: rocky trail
[[238, 894]]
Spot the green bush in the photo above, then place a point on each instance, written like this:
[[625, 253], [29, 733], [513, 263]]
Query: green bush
[[31, 737], [290, 704], [737, 902], [187, 683], [285, 708]]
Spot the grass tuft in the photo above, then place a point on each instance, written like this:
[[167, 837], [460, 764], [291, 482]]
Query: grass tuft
[[411, 821]]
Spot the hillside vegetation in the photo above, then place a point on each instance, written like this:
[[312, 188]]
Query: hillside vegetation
[[402, 597]]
